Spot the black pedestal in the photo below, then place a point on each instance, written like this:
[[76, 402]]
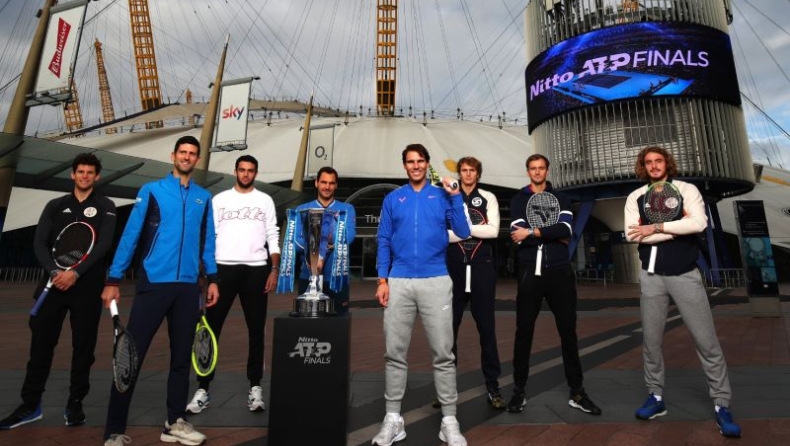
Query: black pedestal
[[309, 388]]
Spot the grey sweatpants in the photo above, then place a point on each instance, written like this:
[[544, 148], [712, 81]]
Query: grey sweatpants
[[432, 299], [689, 295]]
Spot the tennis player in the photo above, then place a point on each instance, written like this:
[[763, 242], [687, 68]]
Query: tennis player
[[172, 227], [676, 275], [482, 272], [75, 291], [544, 272]]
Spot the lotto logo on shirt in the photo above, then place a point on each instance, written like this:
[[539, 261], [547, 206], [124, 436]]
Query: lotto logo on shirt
[[245, 213]]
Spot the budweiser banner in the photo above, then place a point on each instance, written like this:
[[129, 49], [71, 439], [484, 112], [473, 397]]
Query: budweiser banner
[[60, 47], [234, 107]]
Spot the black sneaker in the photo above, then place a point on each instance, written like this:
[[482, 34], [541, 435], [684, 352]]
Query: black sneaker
[[518, 401], [73, 414], [22, 415], [495, 399], [580, 400]]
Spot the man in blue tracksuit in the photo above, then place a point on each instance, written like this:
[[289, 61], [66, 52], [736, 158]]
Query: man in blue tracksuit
[[172, 228], [413, 279]]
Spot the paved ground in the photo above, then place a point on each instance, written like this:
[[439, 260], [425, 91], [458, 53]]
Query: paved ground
[[757, 351]]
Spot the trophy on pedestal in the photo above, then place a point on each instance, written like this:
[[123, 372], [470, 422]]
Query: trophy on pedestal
[[318, 235]]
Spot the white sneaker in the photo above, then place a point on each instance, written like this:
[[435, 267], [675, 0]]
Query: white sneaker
[[391, 431], [450, 432], [181, 432], [117, 440], [255, 399], [199, 402]]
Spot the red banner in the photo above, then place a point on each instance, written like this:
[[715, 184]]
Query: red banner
[[64, 28]]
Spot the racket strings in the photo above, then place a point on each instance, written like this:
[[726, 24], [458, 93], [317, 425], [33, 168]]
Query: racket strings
[[662, 204], [543, 210], [477, 218], [203, 349], [124, 362]]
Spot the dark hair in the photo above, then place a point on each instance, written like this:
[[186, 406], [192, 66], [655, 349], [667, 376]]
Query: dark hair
[[86, 159], [419, 148], [641, 172], [326, 169], [246, 159], [472, 162], [536, 157], [187, 140]]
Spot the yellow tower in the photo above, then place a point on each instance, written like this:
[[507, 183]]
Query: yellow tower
[[386, 55], [72, 111], [108, 114], [143, 39]]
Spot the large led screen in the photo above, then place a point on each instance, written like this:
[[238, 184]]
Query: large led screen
[[633, 61]]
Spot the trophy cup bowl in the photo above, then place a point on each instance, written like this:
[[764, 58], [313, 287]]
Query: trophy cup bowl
[[313, 303]]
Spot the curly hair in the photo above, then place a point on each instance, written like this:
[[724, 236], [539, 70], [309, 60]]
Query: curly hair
[[86, 159], [641, 171], [471, 162]]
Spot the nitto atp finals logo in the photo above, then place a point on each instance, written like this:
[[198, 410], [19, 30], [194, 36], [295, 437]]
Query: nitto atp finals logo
[[312, 351]]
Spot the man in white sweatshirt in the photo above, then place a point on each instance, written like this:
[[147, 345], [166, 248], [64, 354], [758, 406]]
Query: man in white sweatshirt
[[245, 221]]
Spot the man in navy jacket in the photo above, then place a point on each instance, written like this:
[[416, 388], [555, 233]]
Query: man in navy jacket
[[545, 272]]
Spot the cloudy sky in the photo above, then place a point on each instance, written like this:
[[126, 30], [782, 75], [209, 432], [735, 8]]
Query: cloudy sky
[[453, 54]]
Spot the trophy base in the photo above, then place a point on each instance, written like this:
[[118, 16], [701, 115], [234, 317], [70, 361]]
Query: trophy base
[[321, 307]]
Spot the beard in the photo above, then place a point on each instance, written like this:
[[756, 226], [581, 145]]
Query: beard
[[243, 185]]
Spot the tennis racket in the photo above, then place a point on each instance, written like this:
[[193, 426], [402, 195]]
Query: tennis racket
[[436, 180], [470, 246], [124, 354], [204, 347], [662, 204], [543, 209], [71, 248]]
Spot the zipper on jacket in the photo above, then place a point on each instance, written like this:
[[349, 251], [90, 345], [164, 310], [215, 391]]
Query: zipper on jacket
[[183, 228]]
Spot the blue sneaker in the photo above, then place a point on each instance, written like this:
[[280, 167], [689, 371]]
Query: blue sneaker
[[727, 426], [22, 415], [651, 409]]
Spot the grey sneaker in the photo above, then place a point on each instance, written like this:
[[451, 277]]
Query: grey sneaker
[[181, 432], [255, 399], [117, 440], [200, 401], [391, 431], [450, 432]]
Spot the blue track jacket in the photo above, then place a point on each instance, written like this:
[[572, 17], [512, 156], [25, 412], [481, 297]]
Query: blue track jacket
[[413, 231], [173, 230]]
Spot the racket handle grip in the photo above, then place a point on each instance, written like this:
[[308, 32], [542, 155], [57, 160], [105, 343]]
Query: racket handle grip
[[651, 264], [539, 261], [468, 281], [453, 184], [39, 302], [114, 308]]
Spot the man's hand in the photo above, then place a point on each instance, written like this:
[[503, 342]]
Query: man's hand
[[271, 282], [64, 280], [212, 295], [448, 184], [383, 294], [110, 293], [638, 232]]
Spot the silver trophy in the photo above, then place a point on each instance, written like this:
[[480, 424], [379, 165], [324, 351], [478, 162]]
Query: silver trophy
[[314, 303]]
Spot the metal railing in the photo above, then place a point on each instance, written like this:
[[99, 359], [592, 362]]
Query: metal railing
[[725, 278], [21, 273], [589, 275]]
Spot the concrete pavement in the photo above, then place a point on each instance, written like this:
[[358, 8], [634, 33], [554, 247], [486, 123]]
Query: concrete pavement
[[757, 352]]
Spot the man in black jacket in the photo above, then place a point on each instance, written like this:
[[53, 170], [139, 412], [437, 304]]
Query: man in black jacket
[[544, 271], [74, 291]]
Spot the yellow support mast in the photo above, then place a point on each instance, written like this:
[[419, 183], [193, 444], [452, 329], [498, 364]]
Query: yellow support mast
[[72, 111], [386, 55], [147, 73], [108, 114]]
